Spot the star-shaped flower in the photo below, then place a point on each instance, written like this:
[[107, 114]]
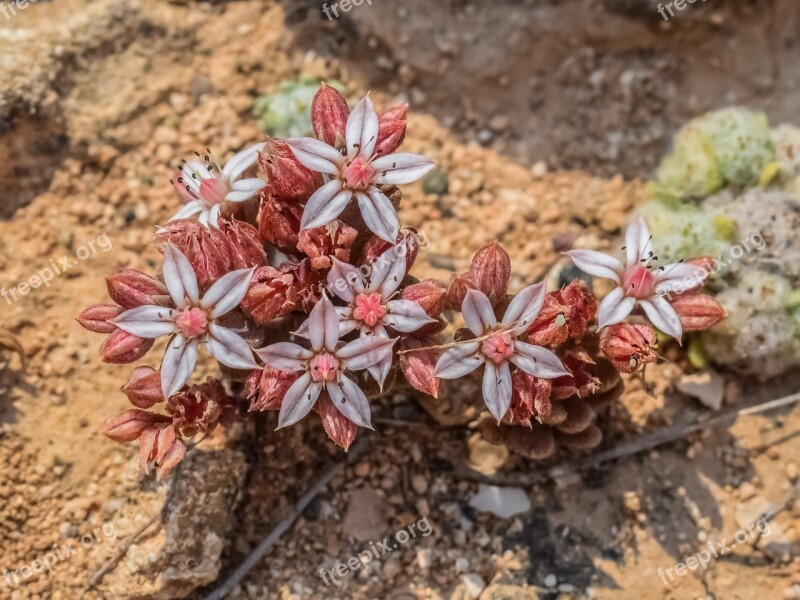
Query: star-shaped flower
[[194, 321], [639, 280], [203, 186], [357, 171], [497, 344], [325, 367]]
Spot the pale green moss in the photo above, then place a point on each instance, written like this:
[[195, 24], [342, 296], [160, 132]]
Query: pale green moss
[[691, 169], [287, 113]]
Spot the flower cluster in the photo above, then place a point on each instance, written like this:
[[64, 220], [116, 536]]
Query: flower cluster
[[290, 267]]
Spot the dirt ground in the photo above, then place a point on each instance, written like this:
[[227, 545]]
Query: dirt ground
[[98, 99]]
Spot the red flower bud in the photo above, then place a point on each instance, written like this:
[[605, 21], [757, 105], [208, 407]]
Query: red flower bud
[[392, 123], [491, 270], [286, 176], [162, 447], [96, 317], [329, 113], [272, 294], [629, 346], [698, 312], [144, 387], [428, 294], [279, 222], [459, 284], [245, 248], [266, 388], [321, 244], [550, 328], [582, 382], [418, 366], [582, 306], [122, 348], [201, 408], [530, 400], [131, 288], [129, 425], [407, 244], [341, 430]]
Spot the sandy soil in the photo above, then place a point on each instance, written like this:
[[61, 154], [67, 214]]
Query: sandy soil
[[100, 98]]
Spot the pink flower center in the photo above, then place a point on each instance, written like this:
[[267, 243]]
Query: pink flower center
[[358, 175], [498, 348], [324, 367], [369, 309], [213, 191], [192, 322], [639, 282]]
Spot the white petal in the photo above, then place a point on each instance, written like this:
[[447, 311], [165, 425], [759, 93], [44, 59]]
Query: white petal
[[497, 388], [537, 361], [213, 216], [406, 316], [379, 214], [362, 130], [662, 315], [679, 276], [365, 352], [478, 312], [325, 205], [525, 307], [253, 184], [241, 162], [459, 361], [178, 364], [344, 280], [614, 308], [179, 277], [346, 326], [597, 264], [637, 241], [380, 370], [229, 348], [189, 210], [349, 400], [401, 168], [147, 321], [227, 292], [316, 155], [204, 217], [298, 400], [388, 271], [285, 356], [323, 326]]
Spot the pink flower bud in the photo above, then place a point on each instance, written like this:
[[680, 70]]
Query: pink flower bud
[[131, 288], [329, 113], [551, 326], [392, 123], [698, 312], [321, 244], [428, 294], [341, 430], [266, 388], [629, 346], [288, 179], [491, 270], [407, 244], [418, 366], [459, 284], [122, 348], [96, 317], [272, 294], [144, 387], [279, 222], [582, 306], [530, 400], [245, 249], [129, 425], [162, 447]]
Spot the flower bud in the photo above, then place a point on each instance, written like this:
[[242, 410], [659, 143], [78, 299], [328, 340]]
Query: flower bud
[[392, 123], [122, 348], [131, 288], [321, 244], [459, 284], [279, 222], [341, 430], [582, 307], [245, 249], [428, 294], [201, 408], [329, 114], [530, 400], [407, 245], [206, 249], [144, 387], [581, 382], [272, 294], [629, 346], [551, 326], [418, 366], [491, 270], [129, 425], [266, 388], [162, 447], [698, 312], [96, 318], [287, 178]]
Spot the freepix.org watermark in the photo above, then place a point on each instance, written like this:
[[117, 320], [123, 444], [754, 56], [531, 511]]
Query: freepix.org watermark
[[375, 551], [332, 11], [58, 554], [678, 4], [715, 550], [57, 267], [9, 9]]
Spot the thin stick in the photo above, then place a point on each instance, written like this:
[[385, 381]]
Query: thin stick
[[284, 524]]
